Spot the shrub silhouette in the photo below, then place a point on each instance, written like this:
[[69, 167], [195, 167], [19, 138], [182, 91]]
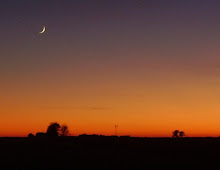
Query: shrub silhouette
[[64, 131], [53, 129], [30, 135]]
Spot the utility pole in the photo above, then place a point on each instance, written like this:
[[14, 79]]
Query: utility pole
[[116, 126]]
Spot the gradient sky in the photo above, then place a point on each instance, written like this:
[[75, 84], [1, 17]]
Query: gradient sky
[[149, 66]]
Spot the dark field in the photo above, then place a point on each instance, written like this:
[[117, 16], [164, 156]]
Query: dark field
[[102, 152]]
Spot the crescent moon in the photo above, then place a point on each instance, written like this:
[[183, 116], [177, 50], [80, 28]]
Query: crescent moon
[[44, 29]]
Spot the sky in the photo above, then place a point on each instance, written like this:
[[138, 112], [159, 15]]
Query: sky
[[148, 66]]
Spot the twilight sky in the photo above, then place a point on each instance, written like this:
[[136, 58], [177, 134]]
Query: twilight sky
[[150, 66]]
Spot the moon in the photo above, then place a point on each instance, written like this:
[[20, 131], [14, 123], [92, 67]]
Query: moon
[[44, 29]]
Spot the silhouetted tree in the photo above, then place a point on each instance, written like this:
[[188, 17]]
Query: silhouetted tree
[[64, 131], [53, 129], [175, 134], [181, 134]]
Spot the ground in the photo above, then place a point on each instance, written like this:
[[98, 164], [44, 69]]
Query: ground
[[102, 152]]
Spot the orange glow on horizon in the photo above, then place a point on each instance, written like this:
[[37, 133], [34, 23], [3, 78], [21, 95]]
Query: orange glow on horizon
[[145, 110]]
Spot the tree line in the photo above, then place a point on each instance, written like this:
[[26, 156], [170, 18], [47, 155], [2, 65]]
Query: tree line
[[54, 129]]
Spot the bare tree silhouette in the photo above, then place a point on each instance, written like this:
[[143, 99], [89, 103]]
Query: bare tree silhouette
[[64, 130], [53, 129], [181, 134], [175, 134]]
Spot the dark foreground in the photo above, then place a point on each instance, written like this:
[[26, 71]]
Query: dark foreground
[[99, 152]]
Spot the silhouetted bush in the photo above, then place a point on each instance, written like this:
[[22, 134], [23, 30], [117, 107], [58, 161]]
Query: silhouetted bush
[[30, 135], [40, 134]]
